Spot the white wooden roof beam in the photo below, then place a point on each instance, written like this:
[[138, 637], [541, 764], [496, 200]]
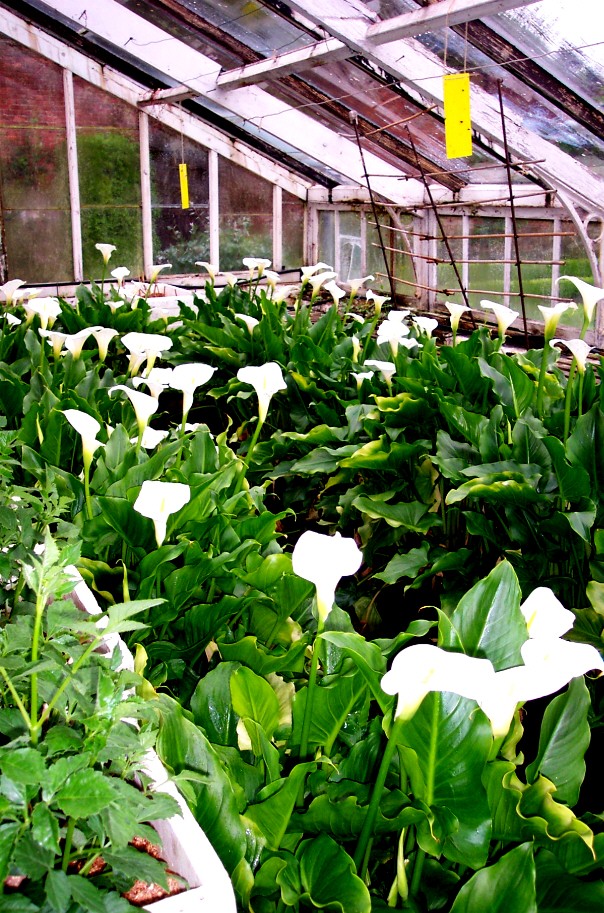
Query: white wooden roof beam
[[437, 16], [411, 64], [282, 65]]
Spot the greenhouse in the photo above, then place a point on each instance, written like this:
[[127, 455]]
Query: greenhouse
[[301, 456]]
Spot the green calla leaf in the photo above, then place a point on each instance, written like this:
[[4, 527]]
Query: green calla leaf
[[509, 886], [272, 813], [488, 622], [563, 741], [412, 515], [407, 565], [254, 698], [328, 877]]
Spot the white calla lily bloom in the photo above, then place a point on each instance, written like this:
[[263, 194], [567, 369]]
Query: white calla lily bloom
[[47, 309], [323, 560], [188, 378], [74, 342], [145, 346], [355, 284], [105, 250], [308, 271], [55, 339], [102, 337], [256, 265], [158, 500], [120, 273], [210, 268], [266, 380], [551, 317], [421, 668], [9, 288], [455, 311], [231, 279], [156, 270], [356, 348], [334, 290], [578, 348], [316, 281], [144, 405], [425, 324], [505, 316], [157, 380], [590, 294], [250, 322], [386, 368], [360, 376], [11, 319], [545, 615], [392, 332], [151, 438], [88, 428], [378, 301]]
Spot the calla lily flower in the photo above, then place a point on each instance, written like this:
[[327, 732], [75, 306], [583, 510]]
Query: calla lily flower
[[24, 294], [158, 500], [145, 346], [9, 288], [334, 290], [11, 319], [74, 342], [361, 376], [323, 560], [505, 316], [88, 428], [426, 325], [455, 310], [143, 404], [266, 380], [250, 322], [545, 615], [386, 368], [357, 318], [47, 309], [590, 294], [106, 251], [397, 317], [271, 278], [102, 337], [355, 284], [282, 292], [422, 668], [551, 317], [308, 271], [378, 301], [256, 264], [188, 378], [210, 269], [231, 279], [356, 348], [55, 339], [317, 281], [392, 332], [579, 348], [120, 273], [151, 438], [157, 380], [156, 270]]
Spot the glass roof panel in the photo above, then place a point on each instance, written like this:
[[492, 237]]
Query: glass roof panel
[[567, 37]]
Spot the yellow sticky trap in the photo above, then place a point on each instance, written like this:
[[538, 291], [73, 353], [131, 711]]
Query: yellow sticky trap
[[184, 186], [458, 126]]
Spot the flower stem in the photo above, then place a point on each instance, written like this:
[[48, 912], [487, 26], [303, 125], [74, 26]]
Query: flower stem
[[35, 643], [541, 381], [310, 694], [568, 398], [366, 835]]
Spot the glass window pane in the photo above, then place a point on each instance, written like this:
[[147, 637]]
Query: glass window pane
[[327, 247], [38, 244], [401, 265], [575, 264], [293, 231], [446, 279], [180, 236], [246, 215], [121, 226], [536, 277], [486, 274], [33, 164], [349, 264]]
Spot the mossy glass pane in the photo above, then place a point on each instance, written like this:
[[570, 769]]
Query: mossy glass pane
[[38, 244], [534, 245], [33, 164], [446, 279], [180, 236], [486, 253], [400, 265], [246, 215], [575, 264], [327, 240], [112, 225], [293, 231], [350, 247]]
